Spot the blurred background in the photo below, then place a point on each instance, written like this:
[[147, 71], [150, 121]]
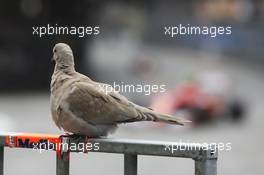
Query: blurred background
[[215, 82]]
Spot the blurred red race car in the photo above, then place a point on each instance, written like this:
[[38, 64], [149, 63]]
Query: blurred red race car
[[201, 100]]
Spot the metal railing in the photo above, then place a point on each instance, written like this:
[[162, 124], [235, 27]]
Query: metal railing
[[205, 159]]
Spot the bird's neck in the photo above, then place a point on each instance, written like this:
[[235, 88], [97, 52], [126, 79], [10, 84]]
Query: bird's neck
[[64, 68]]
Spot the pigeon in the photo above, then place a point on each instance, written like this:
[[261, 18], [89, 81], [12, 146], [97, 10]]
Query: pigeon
[[82, 106]]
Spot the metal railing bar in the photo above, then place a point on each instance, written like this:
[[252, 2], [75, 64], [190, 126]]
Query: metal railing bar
[[138, 147], [205, 159], [130, 164], [124, 146]]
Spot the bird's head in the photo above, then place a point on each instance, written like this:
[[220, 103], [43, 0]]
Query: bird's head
[[62, 54]]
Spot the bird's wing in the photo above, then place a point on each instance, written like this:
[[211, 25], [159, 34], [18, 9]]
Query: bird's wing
[[91, 103]]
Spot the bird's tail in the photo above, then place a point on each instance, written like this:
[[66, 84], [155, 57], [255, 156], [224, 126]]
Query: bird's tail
[[146, 114]]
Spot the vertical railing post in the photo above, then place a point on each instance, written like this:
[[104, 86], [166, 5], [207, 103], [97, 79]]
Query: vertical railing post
[[63, 163], [1, 160], [63, 158], [206, 163], [130, 164], [206, 167]]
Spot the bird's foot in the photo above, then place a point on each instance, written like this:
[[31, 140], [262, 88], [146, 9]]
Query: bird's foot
[[74, 138]]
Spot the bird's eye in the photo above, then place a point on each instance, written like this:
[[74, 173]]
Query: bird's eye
[[55, 50]]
